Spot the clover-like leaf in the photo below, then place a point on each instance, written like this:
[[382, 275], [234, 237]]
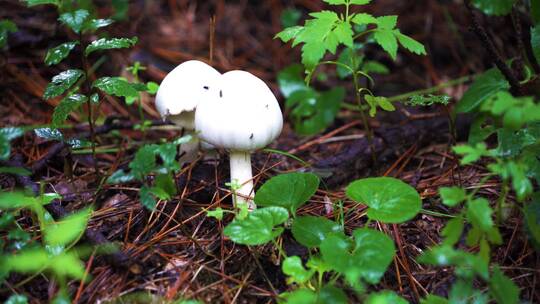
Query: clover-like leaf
[[300, 188], [61, 83], [109, 43], [310, 231], [59, 53], [389, 200], [259, 227]]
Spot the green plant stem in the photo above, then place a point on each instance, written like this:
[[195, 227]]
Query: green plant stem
[[280, 250], [84, 63], [500, 201]]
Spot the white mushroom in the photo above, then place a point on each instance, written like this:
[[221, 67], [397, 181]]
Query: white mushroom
[[178, 96], [241, 115]]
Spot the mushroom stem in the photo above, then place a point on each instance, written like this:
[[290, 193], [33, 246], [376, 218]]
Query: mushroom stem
[[240, 163], [188, 150]]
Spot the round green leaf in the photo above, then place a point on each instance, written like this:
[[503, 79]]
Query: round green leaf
[[332, 294], [385, 297], [290, 190], [390, 200], [310, 231], [259, 227], [293, 267]]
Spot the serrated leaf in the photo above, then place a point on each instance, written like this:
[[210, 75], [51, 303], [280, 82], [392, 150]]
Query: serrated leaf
[[410, 44], [359, 2], [388, 41], [110, 43], [144, 162], [502, 288], [452, 231], [49, 134], [59, 53], [147, 198], [336, 2], [75, 20], [68, 229], [300, 187], [65, 107], [364, 19], [289, 33], [310, 231], [31, 3], [494, 7], [484, 87], [95, 24], [479, 214], [61, 83], [116, 86], [389, 200], [387, 22], [451, 196], [259, 227], [312, 53], [344, 34]]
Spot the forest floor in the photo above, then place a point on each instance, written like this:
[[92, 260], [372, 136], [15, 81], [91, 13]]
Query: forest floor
[[176, 250]]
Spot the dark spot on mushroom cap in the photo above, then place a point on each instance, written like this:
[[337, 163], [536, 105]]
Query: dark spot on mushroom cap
[[266, 106], [206, 87], [221, 93], [251, 137]]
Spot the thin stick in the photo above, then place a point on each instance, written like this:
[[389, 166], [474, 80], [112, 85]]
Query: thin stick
[[212, 37]]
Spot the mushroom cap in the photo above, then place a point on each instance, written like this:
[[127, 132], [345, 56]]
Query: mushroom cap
[[241, 113], [182, 90]]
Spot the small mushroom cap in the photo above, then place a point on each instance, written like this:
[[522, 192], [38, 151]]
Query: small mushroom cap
[[182, 90], [241, 113]]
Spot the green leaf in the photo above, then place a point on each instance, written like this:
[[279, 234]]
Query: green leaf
[[6, 136], [364, 19], [67, 230], [31, 3], [216, 213], [61, 83], [310, 231], [502, 288], [120, 177], [147, 198], [332, 294], [65, 107], [289, 33], [15, 170], [27, 261], [372, 253], [259, 227], [16, 199], [344, 33], [95, 24], [17, 299], [484, 87], [494, 7], [479, 214], [359, 2], [49, 134], [116, 86], [6, 27], [336, 2], [299, 296], [300, 188], [433, 299], [452, 231], [531, 214], [59, 53], [451, 196], [144, 162], [378, 101], [75, 20], [388, 41], [471, 154], [290, 80], [389, 200], [166, 183], [292, 267], [387, 22], [385, 297], [410, 44], [375, 67], [110, 43], [68, 265]]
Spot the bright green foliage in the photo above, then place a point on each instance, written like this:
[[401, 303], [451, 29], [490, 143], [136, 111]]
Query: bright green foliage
[[116, 86], [428, 100], [494, 7], [471, 154], [502, 288], [312, 111], [293, 268], [452, 231], [68, 229], [310, 231], [378, 102], [389, 200], [69, 104], [6, 27], [385, 297], [367, 257], [216, 213], [484, 87], [452, 196], [75, 20], [300, 188], [259, 227], [59, 53], [110, 43], [299, 296], [6, 136], [61, 83]]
